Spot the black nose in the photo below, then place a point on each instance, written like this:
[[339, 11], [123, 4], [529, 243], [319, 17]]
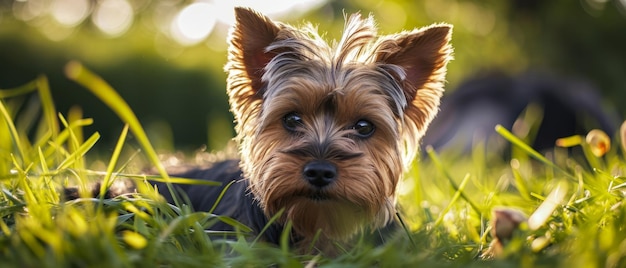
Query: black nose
[[320, 173]]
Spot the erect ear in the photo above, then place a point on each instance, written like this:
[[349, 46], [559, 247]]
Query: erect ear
[[423, 55], [251, 34]]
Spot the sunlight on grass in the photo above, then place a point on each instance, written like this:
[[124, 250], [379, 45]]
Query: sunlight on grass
[[548, 206], [458, 208]]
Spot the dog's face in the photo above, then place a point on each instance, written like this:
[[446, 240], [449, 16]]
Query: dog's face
[[325, 131]]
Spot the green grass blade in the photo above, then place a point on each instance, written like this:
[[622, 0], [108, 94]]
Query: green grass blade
[[106, 182], [177, 180], [529, 150], [405, 228], [80, 152], [47, 104], [62, 137], [74, 143], [284, 237], [433, 156], [111, 98], [157, 178], [230, 221], [520, 184], [16, 137], [44, 168], [519, 143], [267, 226], [219, 198], [21, 90], [455, 197]]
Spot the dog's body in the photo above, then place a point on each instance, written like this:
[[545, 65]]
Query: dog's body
[[236, 203], [324, 131]]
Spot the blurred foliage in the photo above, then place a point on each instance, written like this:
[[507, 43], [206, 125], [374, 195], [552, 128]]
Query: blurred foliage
[[177, 88]]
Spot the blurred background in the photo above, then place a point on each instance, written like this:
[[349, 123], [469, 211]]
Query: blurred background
[[166, 57]]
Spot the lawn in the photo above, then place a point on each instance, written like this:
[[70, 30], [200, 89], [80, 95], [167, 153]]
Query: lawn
[[561, 208]]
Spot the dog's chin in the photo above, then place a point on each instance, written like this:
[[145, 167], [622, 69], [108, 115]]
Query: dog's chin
[[318, 196], [315, 212], [321, 197]]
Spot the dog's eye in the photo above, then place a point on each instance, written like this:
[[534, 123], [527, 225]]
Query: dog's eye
[[364, 128], [292, 121]]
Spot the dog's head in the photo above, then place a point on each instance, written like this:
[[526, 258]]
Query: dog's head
[[325, 130]]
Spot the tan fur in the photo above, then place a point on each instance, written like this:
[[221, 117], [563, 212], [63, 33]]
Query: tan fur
[[394, 82]]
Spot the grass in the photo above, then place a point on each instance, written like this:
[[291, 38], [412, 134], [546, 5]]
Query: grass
[[575, 203]]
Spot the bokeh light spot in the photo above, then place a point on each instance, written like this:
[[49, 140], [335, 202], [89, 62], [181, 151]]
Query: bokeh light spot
[[28, 10], [193, 23], [270, 8], [113, 17], [69, 12]]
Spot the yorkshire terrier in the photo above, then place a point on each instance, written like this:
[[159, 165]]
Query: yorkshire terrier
[[325, 131]]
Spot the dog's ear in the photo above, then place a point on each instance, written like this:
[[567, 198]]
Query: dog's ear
[[422, 55], [247, 58], [250, 36]]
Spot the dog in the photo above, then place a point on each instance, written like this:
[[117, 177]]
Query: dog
[[325, 132]]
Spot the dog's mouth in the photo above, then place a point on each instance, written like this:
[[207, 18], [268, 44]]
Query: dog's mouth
[[318, 196], [313, 195]]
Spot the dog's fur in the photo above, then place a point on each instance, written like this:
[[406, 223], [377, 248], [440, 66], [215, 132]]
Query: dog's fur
[[325, 131]]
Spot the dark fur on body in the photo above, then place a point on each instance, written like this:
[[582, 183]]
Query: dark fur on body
[[236, 202]]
